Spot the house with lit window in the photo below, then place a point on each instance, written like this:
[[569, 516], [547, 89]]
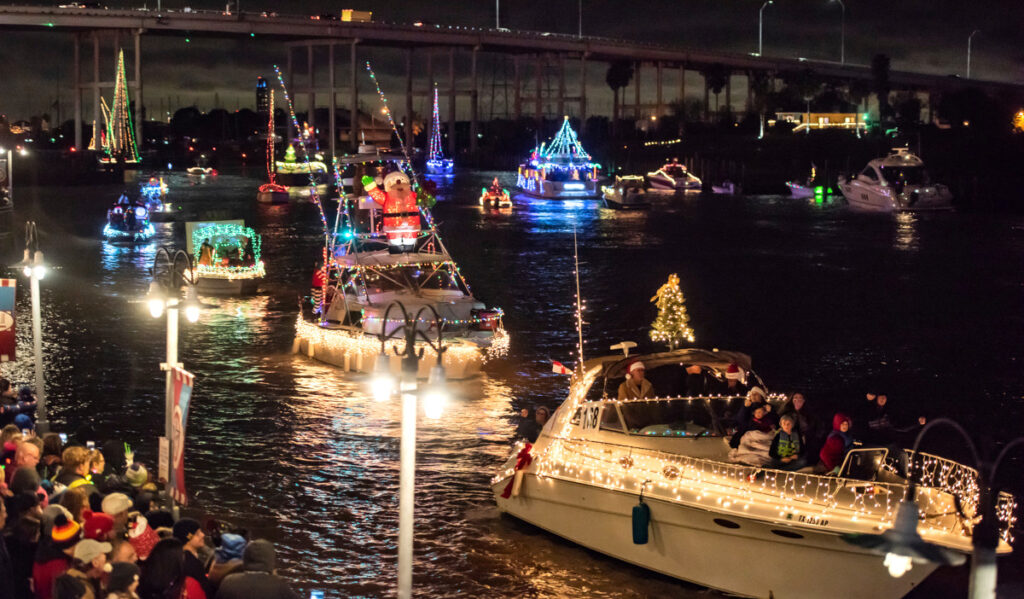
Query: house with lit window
[[822, 120]]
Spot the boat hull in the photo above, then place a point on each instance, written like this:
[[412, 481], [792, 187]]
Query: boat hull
[[800, 191], [273, 197], [562, 190], [740, 556], [666, 184], [355, 352], [224, 286], [870, 198], [304, 191]]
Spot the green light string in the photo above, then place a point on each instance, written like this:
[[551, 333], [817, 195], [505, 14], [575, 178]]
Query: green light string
[[227, 230]]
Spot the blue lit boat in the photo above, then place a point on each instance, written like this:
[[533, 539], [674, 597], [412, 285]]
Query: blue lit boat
[[560, 171], [437, 164], [128, 223]]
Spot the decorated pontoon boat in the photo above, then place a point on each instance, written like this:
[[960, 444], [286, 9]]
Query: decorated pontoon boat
[[380, 252], [746, 530], [495, 196], [228, 257], [560, 171], [302, 178]]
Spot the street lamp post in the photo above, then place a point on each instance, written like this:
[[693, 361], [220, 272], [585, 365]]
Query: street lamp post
[[497, 14], [842, 33], [433, 396], [168, 278], [969, 38], [760, 26], [580, 3], [902, 544], [34, 268]]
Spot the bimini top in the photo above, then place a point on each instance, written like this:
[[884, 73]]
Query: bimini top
[[899, 157], [718, 361]]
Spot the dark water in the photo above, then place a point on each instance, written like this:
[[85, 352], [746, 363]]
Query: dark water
[[927, 308]]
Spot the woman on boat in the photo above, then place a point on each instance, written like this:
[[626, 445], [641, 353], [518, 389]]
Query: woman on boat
[[248, 256], [836, 445], [206, 253]]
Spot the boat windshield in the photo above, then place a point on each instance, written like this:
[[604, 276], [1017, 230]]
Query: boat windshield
[[421, 277], [674, 170], [680, 417], [905, 175]]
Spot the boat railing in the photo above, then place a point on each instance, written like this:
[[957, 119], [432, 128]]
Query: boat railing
[[677, 477]]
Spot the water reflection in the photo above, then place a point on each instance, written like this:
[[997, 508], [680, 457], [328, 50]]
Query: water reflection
[[906, 231]]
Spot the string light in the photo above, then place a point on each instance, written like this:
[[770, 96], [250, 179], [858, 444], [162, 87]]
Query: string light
[[120, 138], [436, 162], [233, 233], [672, 325], [565, 156]]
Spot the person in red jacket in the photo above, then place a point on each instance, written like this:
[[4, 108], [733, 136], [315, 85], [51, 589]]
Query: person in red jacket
[[401, 212], [837, 444]]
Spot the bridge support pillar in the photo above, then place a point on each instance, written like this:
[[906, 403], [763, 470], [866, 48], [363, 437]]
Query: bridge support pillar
[[636, 90], [682, 91], [583, 92], [517, 84], [473, 103], [451, 102], [408, 99], [660, 108], [354, 104], [539, 104], [76, 74], [707, 98], [561, 86]]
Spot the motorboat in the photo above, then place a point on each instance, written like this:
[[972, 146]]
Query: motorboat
[[896, 183], [271, 192], [153, 194], [800, 190], [626, 193], [437, 164], [365, 272], [751, 531], [201, 168], [303, 178], [228, 257], [495, 197], [128, 222], [673, 176], [726, 188], [561, 170]]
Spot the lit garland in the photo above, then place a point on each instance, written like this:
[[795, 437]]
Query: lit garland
[[120, 135], [459, 356], [499, 344], [672, 325], [667, 142], [822, 503], [271, 134], [496, 316], [256, 271]]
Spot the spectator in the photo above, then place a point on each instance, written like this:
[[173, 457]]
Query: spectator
[[259, 579], [123, 552], [50, 464], [136, 476], [75, 470], [191, 534], [734, 381], [27, 454], [527, 428], [227, 557], [145, 502], [53, 557], [787, 451], [76, 502], [90, 563], [7, 573], [123, 581], [26, 480], [163, 576], [97, 526], [836, 445], [141, 536], [116, 505], [21, 539]]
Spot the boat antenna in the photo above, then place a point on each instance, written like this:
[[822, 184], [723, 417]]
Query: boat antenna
[[579, 299]]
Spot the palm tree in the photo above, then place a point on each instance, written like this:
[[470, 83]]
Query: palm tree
[[760, 85], [716, 77], [619, 74]]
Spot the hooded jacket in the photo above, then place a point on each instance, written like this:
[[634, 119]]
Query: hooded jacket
[[257, 580], [837, 443]]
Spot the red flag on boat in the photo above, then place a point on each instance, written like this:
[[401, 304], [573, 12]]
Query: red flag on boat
[[558, 368]]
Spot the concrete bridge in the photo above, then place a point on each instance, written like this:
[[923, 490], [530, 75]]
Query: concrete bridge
[[543, 51]]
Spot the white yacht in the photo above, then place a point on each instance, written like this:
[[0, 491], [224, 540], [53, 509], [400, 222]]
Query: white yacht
[[627, 192], [746, 530], [895, 183], [673, 176]]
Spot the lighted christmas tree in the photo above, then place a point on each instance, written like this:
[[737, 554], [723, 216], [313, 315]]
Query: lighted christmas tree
[[289, 154], [672, 326], [120, 125]]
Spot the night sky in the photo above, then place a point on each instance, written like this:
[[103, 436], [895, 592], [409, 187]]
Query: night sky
[[920, 35]]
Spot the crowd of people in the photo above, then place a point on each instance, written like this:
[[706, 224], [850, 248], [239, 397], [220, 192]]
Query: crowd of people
[[228, 255], [79, 522]]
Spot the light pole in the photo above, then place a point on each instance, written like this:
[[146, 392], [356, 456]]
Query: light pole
[[760, 26], [902, 544], [433, 397], [497, 14], [969, 38], [842, 33], [581, 19], [34, 268], [164, 290]]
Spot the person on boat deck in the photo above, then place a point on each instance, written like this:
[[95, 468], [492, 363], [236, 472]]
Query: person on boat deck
[[401, 222], [756, 397], [529, 428], [734, 381], [206, 253], [248, 254], [759, 419], [129, 218], [495, 187], [636, 386], [836, 445], [787, 451], [808, 425], [124, 200], [882, 426]]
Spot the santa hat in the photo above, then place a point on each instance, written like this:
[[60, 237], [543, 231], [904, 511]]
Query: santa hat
[[96, 525], [733, 372], [142, 537], [638, 365], [394, 178]]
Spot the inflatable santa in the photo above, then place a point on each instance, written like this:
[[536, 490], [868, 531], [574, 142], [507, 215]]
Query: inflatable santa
[[401, 214]]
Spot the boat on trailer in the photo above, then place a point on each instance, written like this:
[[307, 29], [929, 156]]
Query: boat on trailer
[[599, 457], [363, 275]]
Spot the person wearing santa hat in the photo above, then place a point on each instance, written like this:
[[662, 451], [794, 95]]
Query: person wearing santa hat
[[401, 222], [734, 377], [636, 386]]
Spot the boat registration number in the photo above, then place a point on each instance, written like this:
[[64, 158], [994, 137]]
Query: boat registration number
[[590, 417], [813, 520]]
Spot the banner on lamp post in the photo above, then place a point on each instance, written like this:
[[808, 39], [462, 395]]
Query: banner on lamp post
[[182, 381], [8, 338]]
